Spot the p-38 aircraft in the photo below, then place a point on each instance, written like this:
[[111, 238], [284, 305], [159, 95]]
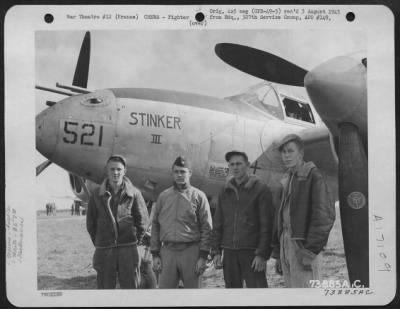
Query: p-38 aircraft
[[326, 106]]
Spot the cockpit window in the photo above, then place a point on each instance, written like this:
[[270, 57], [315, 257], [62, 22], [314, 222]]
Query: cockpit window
[[298, 110]]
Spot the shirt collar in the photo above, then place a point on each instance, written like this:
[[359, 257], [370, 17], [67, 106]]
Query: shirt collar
[[187, 186]]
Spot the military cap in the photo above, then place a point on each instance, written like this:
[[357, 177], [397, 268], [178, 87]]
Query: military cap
[[117, 157], [182, 162], [229, 154], [289, 138]]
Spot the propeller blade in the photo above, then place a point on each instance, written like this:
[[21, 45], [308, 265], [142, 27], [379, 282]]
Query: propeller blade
[[82, 66], [41, 167], [261, 64], [353, 198]]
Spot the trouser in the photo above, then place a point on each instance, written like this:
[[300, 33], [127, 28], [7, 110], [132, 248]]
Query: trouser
[[237, 268], [147, 276], [179, 263], [122, 262], [294, 274]]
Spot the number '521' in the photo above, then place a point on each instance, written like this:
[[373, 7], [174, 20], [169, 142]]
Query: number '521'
[[88, 130]]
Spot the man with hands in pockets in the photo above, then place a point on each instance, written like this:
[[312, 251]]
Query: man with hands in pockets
[[304, 218]]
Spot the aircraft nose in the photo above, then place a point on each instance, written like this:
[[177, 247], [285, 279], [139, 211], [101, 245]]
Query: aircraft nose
[[335, 86], [46, 128]]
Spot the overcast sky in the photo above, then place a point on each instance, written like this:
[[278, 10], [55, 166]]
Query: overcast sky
[[169, 59]]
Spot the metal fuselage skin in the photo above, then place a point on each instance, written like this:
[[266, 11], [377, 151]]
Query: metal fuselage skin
[[152, 127]]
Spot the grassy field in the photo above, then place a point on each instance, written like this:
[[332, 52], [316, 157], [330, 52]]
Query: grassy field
[[65, 256]]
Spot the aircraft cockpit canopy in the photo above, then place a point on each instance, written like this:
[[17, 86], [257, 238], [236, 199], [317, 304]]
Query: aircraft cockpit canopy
[[264, 98], [277, 102]]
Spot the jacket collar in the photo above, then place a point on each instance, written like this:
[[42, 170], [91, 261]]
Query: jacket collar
[[247, 184], [301, 172], [128, 187], [305, 169]]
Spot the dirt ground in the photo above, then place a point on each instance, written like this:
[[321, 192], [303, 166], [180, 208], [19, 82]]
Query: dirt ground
[[65, 256]]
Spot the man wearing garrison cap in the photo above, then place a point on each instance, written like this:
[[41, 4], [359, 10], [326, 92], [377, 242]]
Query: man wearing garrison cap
[[181, 230]]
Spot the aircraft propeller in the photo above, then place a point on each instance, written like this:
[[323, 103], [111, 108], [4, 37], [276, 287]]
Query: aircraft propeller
[[261, 64], [80, 80], [353, 199], [82, 66]]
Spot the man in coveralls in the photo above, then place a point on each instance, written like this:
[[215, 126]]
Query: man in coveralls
[[304, 218], [116, 221], [181, 231]]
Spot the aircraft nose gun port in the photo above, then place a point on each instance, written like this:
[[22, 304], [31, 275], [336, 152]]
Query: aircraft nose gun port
[[46, 136]]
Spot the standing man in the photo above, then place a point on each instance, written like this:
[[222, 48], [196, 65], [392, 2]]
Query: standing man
[[116, 221], [181, 231], [53, 209], [243, 226], [304, 219]]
